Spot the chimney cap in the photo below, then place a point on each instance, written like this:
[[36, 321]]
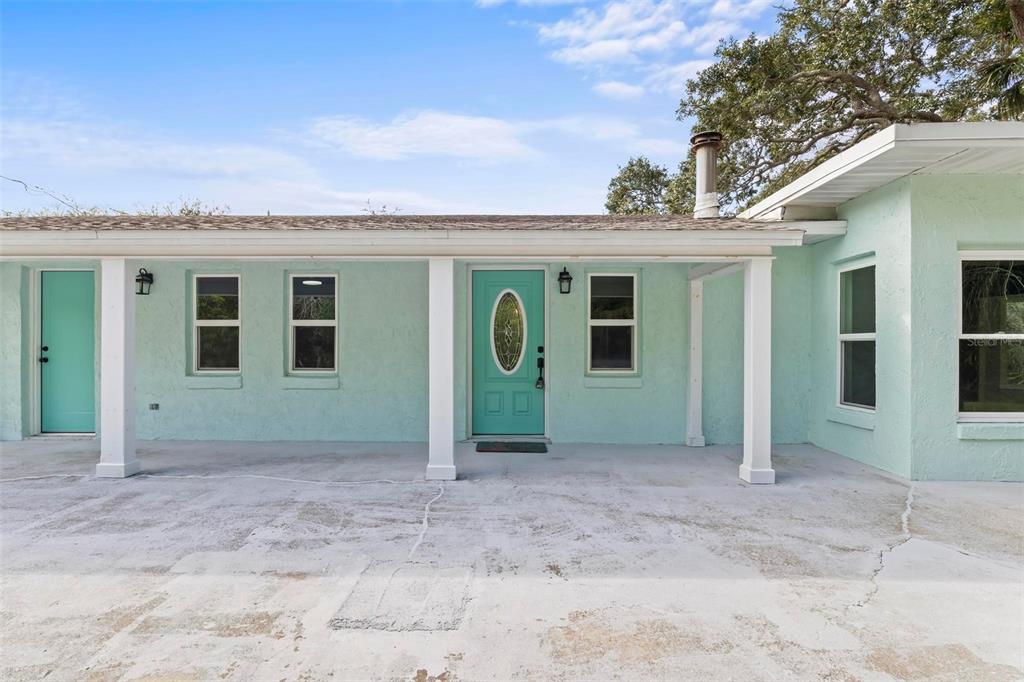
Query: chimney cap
[[706, 137]]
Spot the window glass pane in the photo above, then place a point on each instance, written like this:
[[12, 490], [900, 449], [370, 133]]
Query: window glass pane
[[993, 297], [611, 298], [509, 333], [611, 347], [858, 373], [857, 300], [314, 347], [216, 298], [312, 298], [991, 375], [217, 348]]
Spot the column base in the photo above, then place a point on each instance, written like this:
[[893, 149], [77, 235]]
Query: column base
[[695, 441], [440, 473], [757, 476], [106, 470]]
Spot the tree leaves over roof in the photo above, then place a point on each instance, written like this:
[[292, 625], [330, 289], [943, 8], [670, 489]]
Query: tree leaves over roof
[[837, 71]]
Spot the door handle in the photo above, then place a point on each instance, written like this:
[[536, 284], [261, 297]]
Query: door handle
[[44, 359], [540, 379]]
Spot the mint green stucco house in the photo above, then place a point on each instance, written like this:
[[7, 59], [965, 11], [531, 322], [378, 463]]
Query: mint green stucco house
[[874, 307]]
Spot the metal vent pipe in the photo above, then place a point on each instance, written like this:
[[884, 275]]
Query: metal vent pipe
[[705, 147]]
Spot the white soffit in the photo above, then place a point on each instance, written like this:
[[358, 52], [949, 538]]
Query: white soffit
[[979, 148]]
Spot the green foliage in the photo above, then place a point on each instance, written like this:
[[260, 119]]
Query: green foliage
[[679, 194], [837, 71], [638, 188]]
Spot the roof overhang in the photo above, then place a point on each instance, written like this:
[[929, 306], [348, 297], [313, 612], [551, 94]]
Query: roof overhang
[[406, 243], [976, 148]]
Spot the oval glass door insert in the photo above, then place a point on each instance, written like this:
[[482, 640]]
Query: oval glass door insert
[[508, 331]]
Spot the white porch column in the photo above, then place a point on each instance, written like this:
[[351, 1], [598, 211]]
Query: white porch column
[[695, 406], [117, 370], [757, 373], [441, 343]]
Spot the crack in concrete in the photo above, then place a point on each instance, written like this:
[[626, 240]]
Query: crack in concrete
[[426, 520], [419, 540], [905, 537], [41, 478], [271, 478], [215, 477]]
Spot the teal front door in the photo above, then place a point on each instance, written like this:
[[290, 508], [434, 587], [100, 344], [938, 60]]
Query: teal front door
[[67, 353], [508, 342]]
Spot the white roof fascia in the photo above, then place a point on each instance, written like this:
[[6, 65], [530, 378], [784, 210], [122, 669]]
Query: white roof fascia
[[396, 243], [840, 164], [956, 136]]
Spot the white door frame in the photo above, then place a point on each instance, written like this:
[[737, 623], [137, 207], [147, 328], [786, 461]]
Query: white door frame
[[34, 339], [473, 267]]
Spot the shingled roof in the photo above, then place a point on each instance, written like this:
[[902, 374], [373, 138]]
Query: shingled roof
[[596, 223]]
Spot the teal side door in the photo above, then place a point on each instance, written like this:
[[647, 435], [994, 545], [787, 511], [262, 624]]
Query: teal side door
[[67, 353], [508, 340]]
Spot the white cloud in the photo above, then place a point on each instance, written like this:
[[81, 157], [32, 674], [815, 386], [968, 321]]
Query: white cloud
[[745, 9], [283, 197], [619, 90], [621, 134], [247, 178], [94, 146], [671, 78], [495, 3], [704, 38], [619, 33], [425, 133], [476, 138], [639, 46], [624, 31]]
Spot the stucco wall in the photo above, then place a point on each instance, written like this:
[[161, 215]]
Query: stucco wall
[[11, 388], [952, 213], [878, 228], [791, 351], [651, 407], [381, 390]]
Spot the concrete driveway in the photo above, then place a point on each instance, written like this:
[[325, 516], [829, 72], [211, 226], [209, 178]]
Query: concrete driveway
[[234, 561]]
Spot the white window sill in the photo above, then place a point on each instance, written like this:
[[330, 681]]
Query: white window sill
[[612, 381], [213, 381], [860, 419], [990, 430], [310, 382]]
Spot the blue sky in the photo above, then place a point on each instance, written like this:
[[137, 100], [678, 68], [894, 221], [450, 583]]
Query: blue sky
[[430, 107]]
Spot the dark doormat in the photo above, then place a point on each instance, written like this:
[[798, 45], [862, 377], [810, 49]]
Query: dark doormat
[[506, 446]]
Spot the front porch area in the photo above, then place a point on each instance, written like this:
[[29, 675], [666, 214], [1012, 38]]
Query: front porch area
[[317, 560]]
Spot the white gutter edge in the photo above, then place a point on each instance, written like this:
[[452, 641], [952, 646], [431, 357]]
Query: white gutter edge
[[405, 243]]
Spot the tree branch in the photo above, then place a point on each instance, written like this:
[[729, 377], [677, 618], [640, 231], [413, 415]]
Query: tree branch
[[1016, 9], [65, 201]]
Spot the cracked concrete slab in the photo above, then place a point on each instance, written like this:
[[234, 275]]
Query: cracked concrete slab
[[233, 561]]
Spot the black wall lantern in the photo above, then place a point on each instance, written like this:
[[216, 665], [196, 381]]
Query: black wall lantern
[[143, 281], [564, 281]]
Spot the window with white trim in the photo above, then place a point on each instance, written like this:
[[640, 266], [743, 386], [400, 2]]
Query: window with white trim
[[217, 321], [313, 323], [611, 323], [857, 337], [992, 339]]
